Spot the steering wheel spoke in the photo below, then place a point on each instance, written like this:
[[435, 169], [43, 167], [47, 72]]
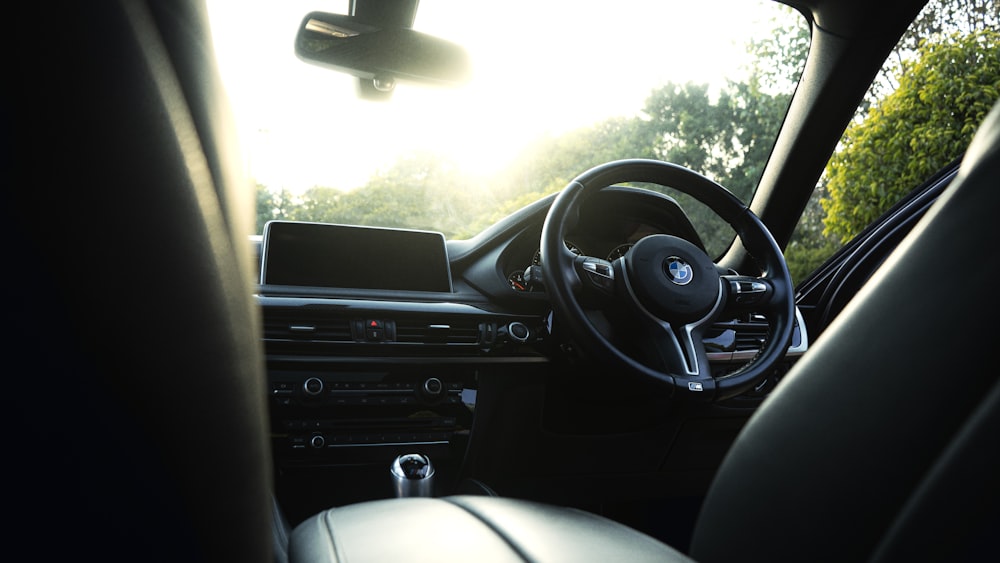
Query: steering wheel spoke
[[678, 350]]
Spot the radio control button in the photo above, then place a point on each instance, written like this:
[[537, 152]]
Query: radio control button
[[312, 386], [518, 331], [433, 386]]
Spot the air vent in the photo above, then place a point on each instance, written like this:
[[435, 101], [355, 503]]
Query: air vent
[[751, 334], [750, 337], [297, 326], [739, 340], [449, 333]]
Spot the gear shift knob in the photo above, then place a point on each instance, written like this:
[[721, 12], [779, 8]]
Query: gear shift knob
[[412, 475]]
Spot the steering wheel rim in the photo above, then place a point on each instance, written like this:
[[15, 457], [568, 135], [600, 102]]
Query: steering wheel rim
[[680, 353]]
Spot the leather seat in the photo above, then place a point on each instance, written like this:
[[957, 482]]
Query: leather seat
[[469, 528], [881, 442], [140, 398]]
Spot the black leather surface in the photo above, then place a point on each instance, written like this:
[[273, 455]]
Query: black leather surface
[[856, 439], [135, 320], [469, 528]]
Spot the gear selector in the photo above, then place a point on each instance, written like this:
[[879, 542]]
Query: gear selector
[[412, 475]]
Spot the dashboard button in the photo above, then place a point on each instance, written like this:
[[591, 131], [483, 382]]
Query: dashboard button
[[518, 331], [312, 386]]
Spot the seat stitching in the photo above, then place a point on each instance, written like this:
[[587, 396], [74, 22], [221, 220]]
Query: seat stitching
[[335, 553]]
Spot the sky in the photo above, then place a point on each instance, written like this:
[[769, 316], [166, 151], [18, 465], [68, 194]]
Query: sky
[[302, 125]]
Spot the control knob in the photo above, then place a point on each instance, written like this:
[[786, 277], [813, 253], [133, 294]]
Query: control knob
[[433, 387], [312, 387], [518, 331]]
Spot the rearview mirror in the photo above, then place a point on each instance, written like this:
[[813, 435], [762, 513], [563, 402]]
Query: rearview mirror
[[380, 55]]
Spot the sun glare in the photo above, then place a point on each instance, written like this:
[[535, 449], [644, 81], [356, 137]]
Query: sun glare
[[302, 126]]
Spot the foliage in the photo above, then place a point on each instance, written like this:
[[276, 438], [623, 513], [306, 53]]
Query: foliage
[[727, 139], [549, 163], [778, 57], [319, 204], [272, 205], [914, 131], [725, 135], [943, 18], [803, 259], [938, 88], [422, 191], [939, 20]]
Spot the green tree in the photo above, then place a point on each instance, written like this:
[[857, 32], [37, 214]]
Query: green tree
[[320, 205], [420, 191], [812, 242], [691, 129], [804, 258], [726, 137], [939, 20], [549, 163], [777, 57], [914, 131], [273, 205]]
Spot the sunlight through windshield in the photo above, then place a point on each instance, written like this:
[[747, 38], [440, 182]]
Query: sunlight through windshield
[[556, 90]]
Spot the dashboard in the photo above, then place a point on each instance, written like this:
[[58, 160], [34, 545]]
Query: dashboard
[[633, 231], [374, 357], [612, 222]]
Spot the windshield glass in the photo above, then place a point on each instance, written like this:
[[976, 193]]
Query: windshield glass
[[557, 87]]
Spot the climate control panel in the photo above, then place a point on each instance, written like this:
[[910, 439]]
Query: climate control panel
[[314, 391], [349, 415]]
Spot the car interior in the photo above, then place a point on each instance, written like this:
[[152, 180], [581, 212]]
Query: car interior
[[198, 394]]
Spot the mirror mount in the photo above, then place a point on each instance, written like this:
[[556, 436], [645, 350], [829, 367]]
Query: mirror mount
[[385, 13], [372, 45]]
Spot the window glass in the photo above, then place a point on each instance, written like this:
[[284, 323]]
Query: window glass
[[919, 115], [556, 89]]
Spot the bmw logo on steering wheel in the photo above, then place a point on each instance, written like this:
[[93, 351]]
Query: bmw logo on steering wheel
[[677, 270]]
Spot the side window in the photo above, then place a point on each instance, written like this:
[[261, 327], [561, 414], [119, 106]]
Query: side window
[[920, 113]]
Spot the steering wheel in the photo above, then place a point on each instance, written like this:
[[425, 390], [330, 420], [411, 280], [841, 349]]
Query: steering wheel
[[657, 300]]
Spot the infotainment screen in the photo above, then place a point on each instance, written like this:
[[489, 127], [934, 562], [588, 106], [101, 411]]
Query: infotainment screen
[[346, 256]]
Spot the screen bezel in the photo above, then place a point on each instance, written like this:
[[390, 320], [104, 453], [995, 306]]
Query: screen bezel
[[330, 255]]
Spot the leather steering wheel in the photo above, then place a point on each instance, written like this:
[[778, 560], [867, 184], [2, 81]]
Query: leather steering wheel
[[661, 296]]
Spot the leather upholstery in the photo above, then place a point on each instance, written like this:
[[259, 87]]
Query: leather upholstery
[[469, 528], [143, 407], [894, 395]]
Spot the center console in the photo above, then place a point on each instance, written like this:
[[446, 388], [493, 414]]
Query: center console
[[325, 415], [369, 357], [336, 428]]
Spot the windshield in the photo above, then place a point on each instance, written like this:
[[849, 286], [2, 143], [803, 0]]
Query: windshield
[[555, 89]]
